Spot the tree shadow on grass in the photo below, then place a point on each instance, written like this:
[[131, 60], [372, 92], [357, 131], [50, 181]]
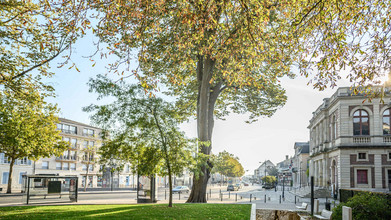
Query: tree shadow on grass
[[144, 211]]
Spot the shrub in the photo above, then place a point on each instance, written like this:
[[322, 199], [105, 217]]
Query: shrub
[[365, 205]]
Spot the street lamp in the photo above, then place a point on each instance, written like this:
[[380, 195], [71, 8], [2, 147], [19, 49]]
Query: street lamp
[[283, 185]]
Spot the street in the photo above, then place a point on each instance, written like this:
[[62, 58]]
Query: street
[[268, 199]]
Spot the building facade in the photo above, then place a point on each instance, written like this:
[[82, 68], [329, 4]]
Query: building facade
[[300, 164], [79, 159], [350, 142]]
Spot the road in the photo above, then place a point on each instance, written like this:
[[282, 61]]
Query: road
[[256, 193]]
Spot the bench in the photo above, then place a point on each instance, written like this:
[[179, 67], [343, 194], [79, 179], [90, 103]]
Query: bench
[[303, 206], [324, 214]]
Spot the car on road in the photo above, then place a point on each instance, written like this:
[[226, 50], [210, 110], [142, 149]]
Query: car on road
[[245, 184], [268, 186], [232, 188], [239, 185], [181, 189]]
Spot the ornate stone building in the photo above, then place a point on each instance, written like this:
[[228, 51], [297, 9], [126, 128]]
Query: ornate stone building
[[350, 142]]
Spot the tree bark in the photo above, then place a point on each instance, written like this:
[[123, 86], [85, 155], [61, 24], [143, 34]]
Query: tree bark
[[170, 187], [207, 97], [10, 175]]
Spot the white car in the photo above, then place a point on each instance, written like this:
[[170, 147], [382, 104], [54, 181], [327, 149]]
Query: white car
[[181, 189]]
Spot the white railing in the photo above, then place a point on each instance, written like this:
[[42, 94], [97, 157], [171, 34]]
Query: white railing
[[386, 139], [361, 139]]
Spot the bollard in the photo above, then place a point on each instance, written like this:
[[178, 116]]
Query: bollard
[[229, 194], [241, 197], [220, 191], [236, 197], [265, 198], [210, 193], [251, 195], [221, 197], [295, 199], [165, 194], [280, 199], [179, 193]]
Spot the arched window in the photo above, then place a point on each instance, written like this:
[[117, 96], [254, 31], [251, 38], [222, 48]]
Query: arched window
[[360, 122], [386, 121]]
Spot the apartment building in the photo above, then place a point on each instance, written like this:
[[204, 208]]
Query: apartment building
[[80, 159], [350, 142]]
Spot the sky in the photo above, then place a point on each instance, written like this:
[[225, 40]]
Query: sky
[[267, 139]]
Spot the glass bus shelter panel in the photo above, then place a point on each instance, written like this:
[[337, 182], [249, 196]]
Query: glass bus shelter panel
[[49, 189]]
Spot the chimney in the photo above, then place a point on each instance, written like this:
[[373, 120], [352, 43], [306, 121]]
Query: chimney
[[286, 157]]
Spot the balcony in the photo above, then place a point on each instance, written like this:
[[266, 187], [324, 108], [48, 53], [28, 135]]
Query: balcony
[[68, 158], [361, 139]]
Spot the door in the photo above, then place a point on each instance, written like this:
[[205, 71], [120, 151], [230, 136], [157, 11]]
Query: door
[[389, 180]]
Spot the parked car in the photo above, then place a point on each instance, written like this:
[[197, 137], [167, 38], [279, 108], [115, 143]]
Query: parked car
[[239, 185], [181, 189], [245, 184], [232, 188], [268, 186]]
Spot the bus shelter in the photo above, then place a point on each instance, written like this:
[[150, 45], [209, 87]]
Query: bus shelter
[[49, 188], [146, 189]]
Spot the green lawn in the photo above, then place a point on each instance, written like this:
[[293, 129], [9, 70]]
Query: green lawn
[[149, 211]]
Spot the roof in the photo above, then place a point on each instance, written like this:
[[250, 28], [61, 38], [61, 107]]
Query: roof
[[304, 147], [64, 120]]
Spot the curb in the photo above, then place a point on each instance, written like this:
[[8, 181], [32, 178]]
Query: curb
[[253, 215]]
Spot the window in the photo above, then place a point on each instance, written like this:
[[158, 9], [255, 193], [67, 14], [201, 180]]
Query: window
[[65, 166], [362, 176], [85, 144], [73, 143], [360, 123], [24, 161], [73, 155], [84, 167], [45, 165], [389, 156], [88, 132], [66, 155], [21, 177], [386, 121], [4, 180], [59, 126], [91, 167], [362, 156], [73, 166], [73, 130], [4, 159], [58, 166], [91, 157], [66, 139], [91, 144]]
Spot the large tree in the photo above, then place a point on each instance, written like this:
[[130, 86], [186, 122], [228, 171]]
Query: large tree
[[28, 127], [216, 57], [144, 129], [222, 56]]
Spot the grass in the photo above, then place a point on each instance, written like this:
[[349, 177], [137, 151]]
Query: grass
[[145, 211]]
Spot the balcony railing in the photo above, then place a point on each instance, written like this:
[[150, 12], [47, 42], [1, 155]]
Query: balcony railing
[[361, 139], [72, 158], [386, 139]]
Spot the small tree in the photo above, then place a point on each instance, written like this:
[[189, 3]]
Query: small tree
[[28, 126], [145, 125]]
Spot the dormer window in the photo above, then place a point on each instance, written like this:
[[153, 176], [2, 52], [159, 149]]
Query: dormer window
[[360, 122]]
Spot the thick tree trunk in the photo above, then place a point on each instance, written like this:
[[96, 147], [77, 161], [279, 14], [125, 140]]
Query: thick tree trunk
[[207, 96], [10, 175]]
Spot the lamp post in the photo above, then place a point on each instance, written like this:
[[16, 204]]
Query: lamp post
[[283, 185]]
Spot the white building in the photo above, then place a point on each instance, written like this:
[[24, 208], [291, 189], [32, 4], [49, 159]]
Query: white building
[[350, 142], [84, 140]]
